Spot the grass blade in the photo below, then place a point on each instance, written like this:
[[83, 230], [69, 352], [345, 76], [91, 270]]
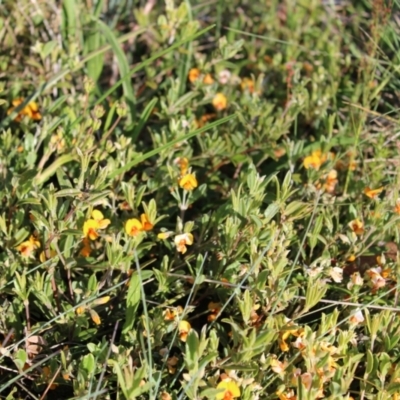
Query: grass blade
[[123, 66]]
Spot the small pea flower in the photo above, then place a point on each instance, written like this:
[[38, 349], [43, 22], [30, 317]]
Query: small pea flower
[[230, 391], [92, 225], [184, 328], [29, 246], [183, 240], [31, 110], [220, 101], [188, 182]]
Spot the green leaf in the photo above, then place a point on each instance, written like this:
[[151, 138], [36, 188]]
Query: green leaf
[[88, 364], [132, 302], [92, 43], [143, 119]]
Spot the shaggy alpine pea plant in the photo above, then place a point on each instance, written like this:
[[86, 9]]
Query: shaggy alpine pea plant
[[199, 200]]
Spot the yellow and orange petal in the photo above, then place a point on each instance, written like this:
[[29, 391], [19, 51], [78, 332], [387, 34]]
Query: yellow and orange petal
[[99, 217], [102, 300], [184, 328], [95, 317], [29, 246], [133, 227], [146, 224], [208, 79], [183, 240], [357, 226], [86, 249], [316, 159], [397, 207], [220, 101], [193, 75], [230, 391], [331, 181], [31, 110], [373, 193], [247, 84], [188, 182], [90, 228], [183, 163]]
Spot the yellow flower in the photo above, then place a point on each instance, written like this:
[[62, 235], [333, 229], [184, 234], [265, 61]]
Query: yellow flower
[[31, 110], [146, 224], [230, 390], [181, 241], [278, 366], [102, 300], [80, 310], [92, 225], [372, 193], [86, 249], [357, 226], [316, 159], [28, 247], [193, 75], [184, 328], [90, 229], [98, 216], [247, 84], [133, 227], [95, 317], [220, 101], [188, 182]]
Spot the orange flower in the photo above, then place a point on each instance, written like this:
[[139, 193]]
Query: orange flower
[[230, 390], [397, 207], [214, 309], [247, 84], [181, 241], [372, 193], [188, 182], [92, 225], [86, 249], [208, 79], [146, 224], [331, 181], [184, 328], [183, 163], [31, 110], [29, 246], [220, 101], [357, 226], [193, 75], [133, 227]]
